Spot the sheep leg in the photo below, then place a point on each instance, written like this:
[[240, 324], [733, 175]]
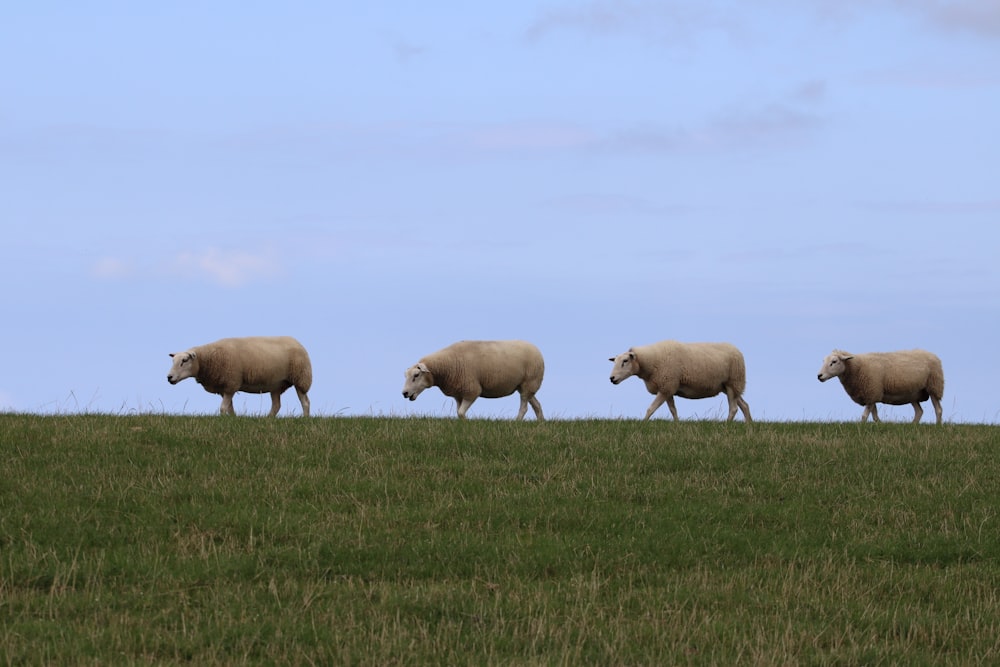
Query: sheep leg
[[304, 400], [463, 405], [937, 407], [537, 407], [873, 411], [673, 408], [918, 412], [745, 408], [657, 402], [275, 403], [731, 397], [227, 404], [524, 406]]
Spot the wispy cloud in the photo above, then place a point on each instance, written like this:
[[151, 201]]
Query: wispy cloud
[[112, 268], [781, 120], [732, 129], [671, 22], [782, 254], [526, 136], [930, 78], [976, 17], [783, 117], [810, 92], [949, 208], [612, 205], [662, 22], [406, 51], [777, 119], [228, 268]]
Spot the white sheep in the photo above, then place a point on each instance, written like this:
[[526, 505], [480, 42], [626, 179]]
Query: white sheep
[[893, 378], [472, 368], [689, 370], [256, 365]]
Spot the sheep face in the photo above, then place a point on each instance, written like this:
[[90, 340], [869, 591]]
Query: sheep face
[[418, 378], [625, 366], [833, 365], [185, 366]]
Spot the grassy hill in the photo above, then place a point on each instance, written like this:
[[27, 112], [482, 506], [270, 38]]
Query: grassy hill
[[167, 539]]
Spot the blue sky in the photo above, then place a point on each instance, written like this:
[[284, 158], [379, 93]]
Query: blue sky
[[382, 179]]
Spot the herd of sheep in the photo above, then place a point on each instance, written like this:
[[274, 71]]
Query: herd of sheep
[[468, 370]]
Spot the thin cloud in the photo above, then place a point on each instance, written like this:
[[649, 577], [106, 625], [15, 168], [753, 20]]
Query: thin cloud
[[234, 268], [112, 268], [974, 17], [526, 136], [948, 208], [738, 128], [977, 17], [769, 121], [941, 79], [405, 51], [612, 205], [677, 21], [797, 112], [660, 22], [777, 255], [732, 128], [810, 92]]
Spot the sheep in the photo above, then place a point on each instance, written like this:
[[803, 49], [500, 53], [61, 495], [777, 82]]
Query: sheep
[[469, 369], [893, 378], [689, 370], [255, 364]]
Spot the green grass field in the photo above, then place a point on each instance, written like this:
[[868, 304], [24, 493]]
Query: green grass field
[[209, 540]]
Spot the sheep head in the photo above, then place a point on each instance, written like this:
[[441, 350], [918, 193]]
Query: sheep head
[[185, 366], [833, 365], [418, 378], [625, 365]]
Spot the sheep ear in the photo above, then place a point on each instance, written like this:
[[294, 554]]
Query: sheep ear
[[631, 355], [422, 367], [171, 355], [845, 357], [611, 358]]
